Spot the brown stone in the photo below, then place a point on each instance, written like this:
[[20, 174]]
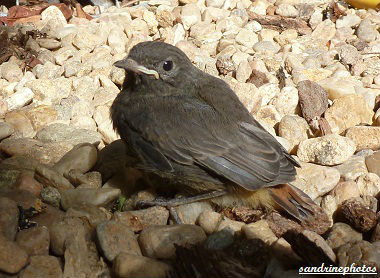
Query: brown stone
[[12, 257], [35, 240], [8, 218], [313, 99], [133, 266], [354, 212], [42, 266], [311, 247]]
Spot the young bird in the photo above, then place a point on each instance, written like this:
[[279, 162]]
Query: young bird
[[190, 129]]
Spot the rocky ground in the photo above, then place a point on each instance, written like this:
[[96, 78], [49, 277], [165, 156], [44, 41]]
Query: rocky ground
[[307, 70]]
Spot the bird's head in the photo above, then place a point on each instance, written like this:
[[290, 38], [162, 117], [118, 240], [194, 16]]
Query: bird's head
[[157, 61]]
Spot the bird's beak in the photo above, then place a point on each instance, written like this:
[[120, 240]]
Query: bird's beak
[[131, 65]]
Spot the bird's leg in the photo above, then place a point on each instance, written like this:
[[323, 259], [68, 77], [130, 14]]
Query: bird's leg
[[180, 201], [174, 215]]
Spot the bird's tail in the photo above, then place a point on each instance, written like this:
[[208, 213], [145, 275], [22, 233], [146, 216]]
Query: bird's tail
[[292, 200]]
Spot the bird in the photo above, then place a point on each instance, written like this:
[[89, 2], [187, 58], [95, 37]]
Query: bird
[[189, 128]]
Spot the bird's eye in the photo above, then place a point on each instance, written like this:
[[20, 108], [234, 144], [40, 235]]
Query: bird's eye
[[168, 65]]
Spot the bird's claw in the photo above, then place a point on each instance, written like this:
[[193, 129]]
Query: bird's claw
[[151, 203]]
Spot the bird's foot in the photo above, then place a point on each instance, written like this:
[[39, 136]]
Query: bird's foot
[[171, 204], [179, 201]]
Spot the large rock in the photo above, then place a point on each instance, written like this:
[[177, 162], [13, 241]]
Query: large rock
[[348, 111], [328, 150], [365, 137]]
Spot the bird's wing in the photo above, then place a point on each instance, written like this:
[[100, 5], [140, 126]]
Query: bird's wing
[[188, 130]]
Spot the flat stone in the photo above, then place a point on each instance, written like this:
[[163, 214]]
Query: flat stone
[[160, 241], [27, 182], [116, 237]]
